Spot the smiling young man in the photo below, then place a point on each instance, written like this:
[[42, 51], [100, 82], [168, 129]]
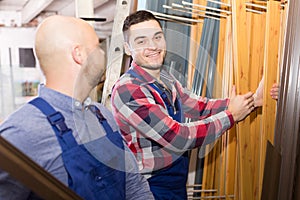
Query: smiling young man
[[150, 105]]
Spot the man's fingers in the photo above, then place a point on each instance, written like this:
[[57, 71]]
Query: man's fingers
[[252, 106], [248, 95]]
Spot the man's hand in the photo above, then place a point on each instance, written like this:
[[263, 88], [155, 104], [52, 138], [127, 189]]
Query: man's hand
[[258, 95], [240, 105], [274, 92]]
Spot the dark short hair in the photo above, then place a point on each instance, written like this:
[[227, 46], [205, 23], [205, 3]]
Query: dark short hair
[[137, 17]]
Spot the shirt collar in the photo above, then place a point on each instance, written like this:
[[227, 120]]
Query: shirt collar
[[165, 76], [62, 101], [85, 104], [142, 73]]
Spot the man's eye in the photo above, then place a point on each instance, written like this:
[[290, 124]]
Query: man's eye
[[158, 37], [140, 42]]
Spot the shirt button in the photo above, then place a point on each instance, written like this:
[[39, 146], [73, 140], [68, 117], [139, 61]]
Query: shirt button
[[140, 164], [98, 178], [77, 103], [88, 101]]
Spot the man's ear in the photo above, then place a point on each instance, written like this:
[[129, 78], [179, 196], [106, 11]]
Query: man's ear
[[127, 49], [77, 55]]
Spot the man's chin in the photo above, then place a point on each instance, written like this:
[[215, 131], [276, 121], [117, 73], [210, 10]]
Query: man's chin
[[153, 66]]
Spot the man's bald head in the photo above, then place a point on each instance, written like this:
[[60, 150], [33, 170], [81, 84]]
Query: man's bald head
[[69, 55], [55, 38]]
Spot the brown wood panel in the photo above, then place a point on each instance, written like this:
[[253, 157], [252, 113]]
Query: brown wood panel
[[296, 190], [271, 67], [231, 162], [287, 126], [228, 139], [241, 62], [271, 175], [256, 39], [209, 169]]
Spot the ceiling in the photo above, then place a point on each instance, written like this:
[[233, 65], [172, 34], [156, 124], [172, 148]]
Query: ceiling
[[31, 10]]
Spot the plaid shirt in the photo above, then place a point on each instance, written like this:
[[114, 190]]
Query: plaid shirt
[[152, 135]]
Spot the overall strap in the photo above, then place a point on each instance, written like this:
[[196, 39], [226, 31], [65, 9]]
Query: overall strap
[[57, 121], [109, 132], [165, 99], [102, 120], [176, 116]]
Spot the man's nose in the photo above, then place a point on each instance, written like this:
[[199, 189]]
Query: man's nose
[[152, 44]]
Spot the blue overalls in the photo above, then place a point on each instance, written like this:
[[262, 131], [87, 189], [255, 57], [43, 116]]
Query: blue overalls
[[87, 176], [169, 183]]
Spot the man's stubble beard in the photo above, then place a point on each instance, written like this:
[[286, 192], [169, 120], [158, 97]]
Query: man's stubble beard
[[152, 67], [155, 66]]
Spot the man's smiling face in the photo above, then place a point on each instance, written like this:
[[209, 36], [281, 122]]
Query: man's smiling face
[[146, 44]]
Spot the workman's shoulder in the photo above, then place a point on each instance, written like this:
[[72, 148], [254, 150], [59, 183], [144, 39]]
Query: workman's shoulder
[[24, 114], [127, 82]]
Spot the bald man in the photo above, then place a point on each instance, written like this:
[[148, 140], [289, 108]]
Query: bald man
[[73, 64]]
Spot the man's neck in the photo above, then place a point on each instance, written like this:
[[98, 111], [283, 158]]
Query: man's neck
[[81, 89], [153, 71], [59, 86]]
